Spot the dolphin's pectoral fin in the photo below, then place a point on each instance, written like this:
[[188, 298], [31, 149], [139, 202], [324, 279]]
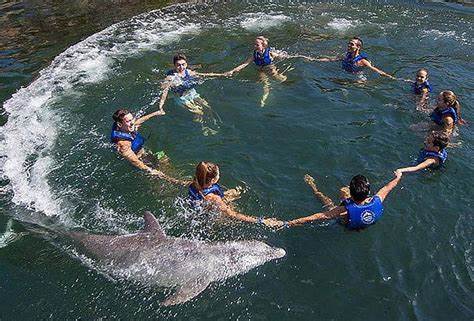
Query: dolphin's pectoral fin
[[152, 225], [187, 291]]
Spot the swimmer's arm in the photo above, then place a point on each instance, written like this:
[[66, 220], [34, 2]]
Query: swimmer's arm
[[334, 213], [368, 64], [227, 210], [125, 149], [383, 192], [165, 87], [209, 74], [425, 164], [143, 119], [169, 179], [240, 67]]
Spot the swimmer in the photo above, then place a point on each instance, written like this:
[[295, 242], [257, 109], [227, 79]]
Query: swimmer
[[129, 143], [421, 87], [433, 155], [182, 81], [263, 57], [447, 112], [355, 60], [205, 187], [357, 212]]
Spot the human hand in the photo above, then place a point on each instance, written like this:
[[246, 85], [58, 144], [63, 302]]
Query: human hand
[[272, 222], [308, 179], [462, 121], [228, 73], [160, 112], [398, 173]]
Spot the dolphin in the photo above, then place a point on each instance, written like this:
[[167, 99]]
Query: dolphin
[[151, 257]]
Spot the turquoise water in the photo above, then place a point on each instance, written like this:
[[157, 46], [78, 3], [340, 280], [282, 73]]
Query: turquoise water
[[57, 166]]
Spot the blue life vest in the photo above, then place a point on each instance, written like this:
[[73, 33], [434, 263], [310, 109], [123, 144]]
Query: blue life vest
[[349, 63], [437, 115], [188, 82], [213, 189], [442, 155], [363, 215], [262, 59], [418, 88], [137, 140]]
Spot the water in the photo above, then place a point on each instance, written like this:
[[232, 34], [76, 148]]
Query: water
[[57, 166]]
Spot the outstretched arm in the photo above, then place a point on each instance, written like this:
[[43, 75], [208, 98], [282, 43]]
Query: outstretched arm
[[383, 192], [425, 164], [239, 67], [143, 119], [334, 213], [368, 64], [165, 88], [229, 211]]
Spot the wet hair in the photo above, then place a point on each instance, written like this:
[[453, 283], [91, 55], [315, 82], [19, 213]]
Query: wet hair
[[450, 99], [205, 173], [119, 115], [359, 40], [422, 69], [440, 139], [359, 188], [263, 39], [179, 56]]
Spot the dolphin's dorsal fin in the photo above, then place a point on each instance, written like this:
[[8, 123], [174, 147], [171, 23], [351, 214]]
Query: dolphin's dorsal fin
[[152, 225]]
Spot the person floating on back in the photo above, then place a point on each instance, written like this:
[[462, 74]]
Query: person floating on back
[[263, 57], [433, 155], [358, 211], [182, 81], [206, 189]]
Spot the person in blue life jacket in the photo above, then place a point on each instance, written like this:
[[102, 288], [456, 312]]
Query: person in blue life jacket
[[206, 189], [355, 60], [129, 142], [421, 87], [433, 155], [182, 81], [447, 112], [263, 58], [356, 212]]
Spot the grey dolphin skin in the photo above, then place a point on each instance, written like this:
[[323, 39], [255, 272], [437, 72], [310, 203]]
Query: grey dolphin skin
[[152, 257]]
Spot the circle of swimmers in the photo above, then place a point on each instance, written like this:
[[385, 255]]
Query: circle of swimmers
[[356, 209]]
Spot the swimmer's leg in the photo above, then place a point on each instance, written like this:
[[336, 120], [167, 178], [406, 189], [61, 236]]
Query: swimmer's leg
[[193, 107], [327, 202], [273, 71], [266, 87]]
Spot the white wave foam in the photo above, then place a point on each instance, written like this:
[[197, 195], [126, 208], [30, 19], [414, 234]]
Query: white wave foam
[[30, 133], [262, 21], [342, 24], [437, 34]]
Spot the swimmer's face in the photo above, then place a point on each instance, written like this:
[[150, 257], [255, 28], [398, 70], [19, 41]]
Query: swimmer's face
[[126, 124], [421, 76], [259, 45], [353, 45], [181, 65]]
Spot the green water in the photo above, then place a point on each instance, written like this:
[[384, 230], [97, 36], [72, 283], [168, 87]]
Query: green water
[[57, 165]]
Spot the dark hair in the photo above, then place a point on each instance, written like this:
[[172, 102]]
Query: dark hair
[[119, 115], [205, 173], [179, 56], [423, 69], [359, 187], [361, 43], [440, 139]]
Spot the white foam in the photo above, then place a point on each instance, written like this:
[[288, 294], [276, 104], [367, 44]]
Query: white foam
[[342, 24], [262, 21], [30, 132]]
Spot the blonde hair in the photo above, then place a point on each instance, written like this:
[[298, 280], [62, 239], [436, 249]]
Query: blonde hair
[[451, 100], [263, 39]]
